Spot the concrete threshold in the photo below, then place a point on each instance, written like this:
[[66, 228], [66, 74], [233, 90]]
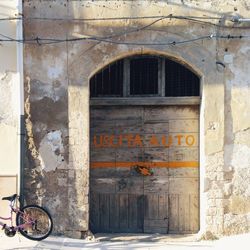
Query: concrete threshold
[[116, 237]]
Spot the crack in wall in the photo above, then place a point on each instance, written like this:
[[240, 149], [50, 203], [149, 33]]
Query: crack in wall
[[29, 126], [33, 175]]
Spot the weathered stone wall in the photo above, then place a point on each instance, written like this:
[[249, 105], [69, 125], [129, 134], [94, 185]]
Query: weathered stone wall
[[57, 97]]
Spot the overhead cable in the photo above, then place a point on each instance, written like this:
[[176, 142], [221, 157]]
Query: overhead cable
[[44, 41]]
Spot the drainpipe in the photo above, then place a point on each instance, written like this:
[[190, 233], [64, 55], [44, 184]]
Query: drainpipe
[[19, 35]]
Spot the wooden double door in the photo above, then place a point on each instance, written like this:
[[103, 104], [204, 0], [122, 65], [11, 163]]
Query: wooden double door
[[144, 169]]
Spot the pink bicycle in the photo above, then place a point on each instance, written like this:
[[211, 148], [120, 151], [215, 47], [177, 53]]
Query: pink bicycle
[[32, 221]]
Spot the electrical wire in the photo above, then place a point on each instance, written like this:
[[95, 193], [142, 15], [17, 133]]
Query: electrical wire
[[107, 39], [131, 30], [47, 41], [107, 18], [202, 20], [195, 19], [101, 38]]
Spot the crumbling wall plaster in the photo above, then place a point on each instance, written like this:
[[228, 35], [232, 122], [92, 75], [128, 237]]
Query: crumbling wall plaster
[[51, 150]]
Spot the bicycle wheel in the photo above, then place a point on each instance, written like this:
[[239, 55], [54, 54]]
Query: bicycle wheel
[[34, 222]]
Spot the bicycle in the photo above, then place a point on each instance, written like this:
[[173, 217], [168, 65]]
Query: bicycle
[[32, 221]]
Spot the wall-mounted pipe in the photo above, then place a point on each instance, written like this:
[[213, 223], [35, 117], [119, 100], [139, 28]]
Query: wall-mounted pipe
[[237, 19], [19, 35]]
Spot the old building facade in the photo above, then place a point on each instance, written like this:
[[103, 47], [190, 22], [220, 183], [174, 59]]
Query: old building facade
[[136, 115]]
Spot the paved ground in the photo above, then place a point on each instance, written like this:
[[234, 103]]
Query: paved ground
[[141, 242]]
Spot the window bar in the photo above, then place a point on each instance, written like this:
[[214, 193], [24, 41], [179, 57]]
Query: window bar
[[126, 78], [161, 77]]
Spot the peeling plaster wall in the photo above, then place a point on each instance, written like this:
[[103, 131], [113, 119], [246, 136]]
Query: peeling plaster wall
[[57, 100]]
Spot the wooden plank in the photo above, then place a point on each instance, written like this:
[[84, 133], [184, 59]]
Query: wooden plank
[[155, 220], [104, 212], [184, 125], [194, 213], [114, 212], [183, 154], [155, 127], [130, 185], [140, 212], [102, 127], [162, 171], [183, 213], [133, 213], [115, 113], [106, 172], [163, 207], [151, 206], [123, 208], [122, 172], [94, 212], [184, 172], [183, 186], [155, 154], [173, 213], [159, 101], [129, 126], [128, 154], [102, 154], [103, 185], [184, 202], [167, 112], [155, 223], [156, 184]]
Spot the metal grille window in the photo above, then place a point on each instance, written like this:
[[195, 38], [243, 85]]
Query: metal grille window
[[108, 82], [144, 76], [180, 81]]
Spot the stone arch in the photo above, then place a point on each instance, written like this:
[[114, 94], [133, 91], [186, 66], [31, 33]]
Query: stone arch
[[179, 60], [197, 57], [194, 55]]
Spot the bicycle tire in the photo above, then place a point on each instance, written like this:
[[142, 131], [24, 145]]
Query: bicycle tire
[[42, 224]]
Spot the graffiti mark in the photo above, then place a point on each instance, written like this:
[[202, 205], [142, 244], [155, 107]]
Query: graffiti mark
[[136, 140]]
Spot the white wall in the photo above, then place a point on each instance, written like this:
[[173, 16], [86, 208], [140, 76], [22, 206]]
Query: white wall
[[10, 98]]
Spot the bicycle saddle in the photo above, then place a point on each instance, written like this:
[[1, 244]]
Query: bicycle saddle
[[10, 198]]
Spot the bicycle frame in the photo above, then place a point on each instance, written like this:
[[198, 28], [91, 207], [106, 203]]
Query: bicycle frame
[[15, 210]]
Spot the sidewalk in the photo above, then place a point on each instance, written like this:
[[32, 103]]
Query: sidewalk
[[241, 242]]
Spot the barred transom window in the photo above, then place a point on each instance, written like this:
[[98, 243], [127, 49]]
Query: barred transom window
[[144, 75]]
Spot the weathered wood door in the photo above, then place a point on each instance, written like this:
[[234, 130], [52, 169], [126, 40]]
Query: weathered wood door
[[144, 169]]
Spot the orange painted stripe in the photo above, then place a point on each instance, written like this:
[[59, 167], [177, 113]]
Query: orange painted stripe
[[171, 164]]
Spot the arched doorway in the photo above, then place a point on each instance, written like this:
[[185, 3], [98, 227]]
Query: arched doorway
[[144, 146]]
